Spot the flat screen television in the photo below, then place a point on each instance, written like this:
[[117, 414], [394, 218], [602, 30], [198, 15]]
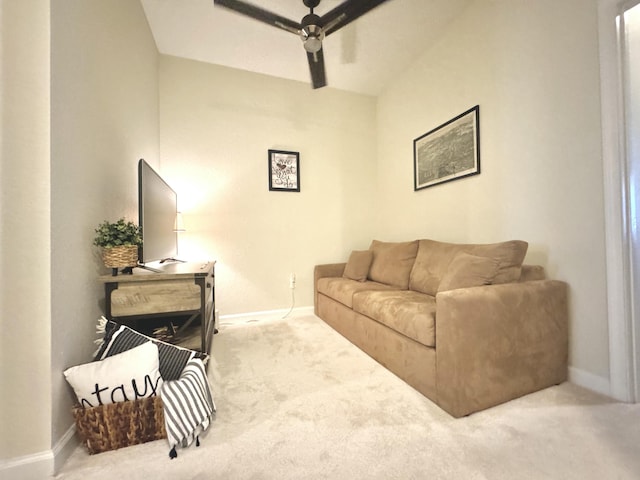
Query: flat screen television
[[157, 209]]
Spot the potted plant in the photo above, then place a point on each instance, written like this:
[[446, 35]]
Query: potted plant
[[119, 242]]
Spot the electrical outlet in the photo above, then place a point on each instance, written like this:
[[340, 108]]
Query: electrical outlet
[[292, 280]]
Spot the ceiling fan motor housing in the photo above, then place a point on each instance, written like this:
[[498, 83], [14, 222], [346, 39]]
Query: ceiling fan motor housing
[[311, 33], [311, 3]]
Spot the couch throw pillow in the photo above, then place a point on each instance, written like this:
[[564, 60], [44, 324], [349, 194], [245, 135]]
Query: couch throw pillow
[[188, 406], [357, 267], [434, 258], [124, 377], [467, 270], [120, 338]]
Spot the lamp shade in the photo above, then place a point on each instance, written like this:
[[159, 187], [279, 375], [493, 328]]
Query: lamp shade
[[179, 226]]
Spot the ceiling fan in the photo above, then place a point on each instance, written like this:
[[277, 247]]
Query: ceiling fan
[[311, 29]]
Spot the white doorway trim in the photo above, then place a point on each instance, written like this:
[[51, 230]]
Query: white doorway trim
[[623, 372]]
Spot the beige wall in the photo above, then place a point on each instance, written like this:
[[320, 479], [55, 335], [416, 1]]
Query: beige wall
[[25, 317], [216, 126], [104, 117], [533, 69]]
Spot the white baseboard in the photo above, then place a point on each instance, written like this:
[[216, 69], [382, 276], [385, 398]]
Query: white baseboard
[[590, 381], [41, 465], [251, 317], [64, 447], [37, 466]]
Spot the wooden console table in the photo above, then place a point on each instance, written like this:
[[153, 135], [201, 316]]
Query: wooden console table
[[179, 289]]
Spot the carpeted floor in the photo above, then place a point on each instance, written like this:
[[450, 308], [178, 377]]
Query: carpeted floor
[[297, 401]]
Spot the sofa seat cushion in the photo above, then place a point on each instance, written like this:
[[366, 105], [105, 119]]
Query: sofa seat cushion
[[405, 311], [342, 289], [433, 260]]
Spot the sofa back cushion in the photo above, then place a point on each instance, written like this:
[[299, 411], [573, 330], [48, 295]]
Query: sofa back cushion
[[433, 259], [392, 262]]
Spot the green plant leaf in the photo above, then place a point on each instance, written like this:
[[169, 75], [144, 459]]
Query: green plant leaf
[[119, 233]]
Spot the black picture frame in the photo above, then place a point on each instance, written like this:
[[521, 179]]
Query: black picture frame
[[448, 152], [284, 171]]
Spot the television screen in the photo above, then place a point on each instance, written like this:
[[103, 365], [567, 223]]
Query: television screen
[[157, 208]]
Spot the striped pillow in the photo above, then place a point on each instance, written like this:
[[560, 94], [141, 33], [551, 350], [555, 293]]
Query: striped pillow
[[188, 406], [120, 338]]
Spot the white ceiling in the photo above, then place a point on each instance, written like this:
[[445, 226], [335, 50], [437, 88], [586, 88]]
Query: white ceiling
[[362, 57]]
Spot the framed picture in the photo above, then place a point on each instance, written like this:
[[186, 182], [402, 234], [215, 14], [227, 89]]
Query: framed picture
[[284, 171], [448, 152]]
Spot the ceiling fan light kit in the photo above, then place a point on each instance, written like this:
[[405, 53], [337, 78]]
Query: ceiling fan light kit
[[312, 29], [311, 33]]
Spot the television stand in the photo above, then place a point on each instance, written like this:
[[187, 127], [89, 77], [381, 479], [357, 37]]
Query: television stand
[[185, 289]]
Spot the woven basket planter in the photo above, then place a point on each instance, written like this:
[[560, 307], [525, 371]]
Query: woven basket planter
[[117, 257], [121, 424]]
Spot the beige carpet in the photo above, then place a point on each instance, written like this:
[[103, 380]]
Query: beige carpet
[[297, 401]]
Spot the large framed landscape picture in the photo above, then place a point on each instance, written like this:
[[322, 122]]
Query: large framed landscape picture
[[448, 152]]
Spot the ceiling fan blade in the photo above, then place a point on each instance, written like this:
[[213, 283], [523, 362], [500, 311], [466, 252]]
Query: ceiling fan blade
[[349, 10], [260, 14], [316, 68]]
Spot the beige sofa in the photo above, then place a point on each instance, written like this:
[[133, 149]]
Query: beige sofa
[[468, 326]]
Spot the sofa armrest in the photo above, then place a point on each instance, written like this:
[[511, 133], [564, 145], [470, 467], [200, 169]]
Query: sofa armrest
[[329, 270], [326, 270], [499, 342]]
